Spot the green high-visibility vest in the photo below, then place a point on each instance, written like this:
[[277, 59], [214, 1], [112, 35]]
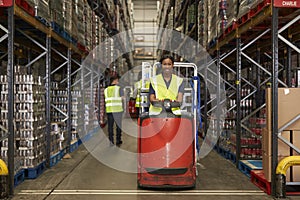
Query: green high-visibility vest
[[113, 100], [162, 92]]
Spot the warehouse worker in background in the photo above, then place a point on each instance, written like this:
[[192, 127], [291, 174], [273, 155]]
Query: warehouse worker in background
[[114, 96], [137, 93], [166, 86]]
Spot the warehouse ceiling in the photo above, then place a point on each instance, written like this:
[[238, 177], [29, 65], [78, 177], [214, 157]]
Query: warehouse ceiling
[[145, 22]]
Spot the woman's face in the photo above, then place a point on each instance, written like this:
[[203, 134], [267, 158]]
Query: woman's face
[[167, 66]]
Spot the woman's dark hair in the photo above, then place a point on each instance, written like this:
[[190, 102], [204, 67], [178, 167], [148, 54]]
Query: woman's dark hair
[[165, 57], [112, 78]]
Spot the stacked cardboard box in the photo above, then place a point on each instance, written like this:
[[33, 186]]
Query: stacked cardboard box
[[288, 109]]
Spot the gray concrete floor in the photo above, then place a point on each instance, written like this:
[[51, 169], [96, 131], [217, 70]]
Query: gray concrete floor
[[84, 176]]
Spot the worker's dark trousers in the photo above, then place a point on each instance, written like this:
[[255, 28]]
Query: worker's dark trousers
[[114, 118]]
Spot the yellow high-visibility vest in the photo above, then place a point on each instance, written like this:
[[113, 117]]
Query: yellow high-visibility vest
[[162, 92], [113, 100]]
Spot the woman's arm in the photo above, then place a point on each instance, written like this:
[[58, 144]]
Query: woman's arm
[[179, 97], [180, 93], [152, 98]]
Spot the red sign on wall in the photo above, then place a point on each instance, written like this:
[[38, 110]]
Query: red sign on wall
[[6, 3], [287, 3]]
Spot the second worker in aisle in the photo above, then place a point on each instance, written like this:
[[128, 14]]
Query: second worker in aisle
[[114, 108], [140, 100]]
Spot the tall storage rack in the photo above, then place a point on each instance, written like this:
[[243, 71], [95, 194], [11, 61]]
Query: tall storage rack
[[251, 50], [39, 40], [48, 49], [264, 41], [258, 45]]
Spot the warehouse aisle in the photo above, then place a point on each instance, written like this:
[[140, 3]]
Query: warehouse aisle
[[84, 177]]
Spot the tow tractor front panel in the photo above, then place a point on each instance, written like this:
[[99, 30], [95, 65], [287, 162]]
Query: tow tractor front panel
[[166, 152]]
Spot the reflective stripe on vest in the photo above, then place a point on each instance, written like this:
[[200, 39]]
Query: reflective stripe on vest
[[162, 92], [113, 100]]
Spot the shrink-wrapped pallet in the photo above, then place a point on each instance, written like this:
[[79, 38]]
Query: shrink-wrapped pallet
[[202, 23], [29, 119], [77, 21], [227, 14], [88, 20], [61, 14], [190, 18], [246, 5], [212, 20], [41, 9]]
